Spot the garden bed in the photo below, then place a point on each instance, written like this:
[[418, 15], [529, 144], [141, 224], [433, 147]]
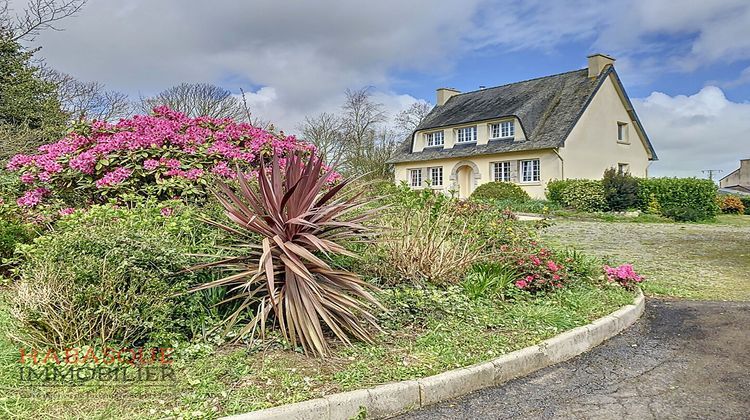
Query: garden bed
[[214, 381]]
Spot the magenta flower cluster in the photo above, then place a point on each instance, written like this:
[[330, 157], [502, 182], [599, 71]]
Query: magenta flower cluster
[[538, 268], [165, 154], [623, 275]]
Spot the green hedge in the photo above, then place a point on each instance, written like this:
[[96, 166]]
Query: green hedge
[[685, 199], [578, 194], [500, 191], [682, 199]]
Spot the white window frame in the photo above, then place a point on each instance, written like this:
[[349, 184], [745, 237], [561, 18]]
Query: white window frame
[[412, 178], [431, 138], [623, 168], [436, 172], [535, 171], [622, 132], [472, 130], [501, 171], [503, 130]]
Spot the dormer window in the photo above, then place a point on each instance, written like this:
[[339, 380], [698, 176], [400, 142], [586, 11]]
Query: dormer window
[[503, 130], [435, 138], [466, 134]]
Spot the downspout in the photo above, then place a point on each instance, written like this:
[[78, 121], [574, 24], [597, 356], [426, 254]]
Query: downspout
[[562, 164]]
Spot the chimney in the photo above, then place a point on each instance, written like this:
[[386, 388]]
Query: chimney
[[443, 94], [598, 62]]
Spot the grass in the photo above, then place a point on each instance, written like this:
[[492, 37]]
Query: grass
[[705, 261], [449, 331]]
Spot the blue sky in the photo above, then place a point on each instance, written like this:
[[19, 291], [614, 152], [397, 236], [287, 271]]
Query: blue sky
[[685, 64]]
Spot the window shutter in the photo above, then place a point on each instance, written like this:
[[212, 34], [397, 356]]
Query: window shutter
[[514, 164]]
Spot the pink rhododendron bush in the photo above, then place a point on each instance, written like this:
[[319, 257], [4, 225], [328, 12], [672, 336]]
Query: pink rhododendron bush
[[538, 268], [165, 155], [624, 275]]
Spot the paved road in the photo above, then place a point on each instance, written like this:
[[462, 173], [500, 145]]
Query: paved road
[[682, 360]]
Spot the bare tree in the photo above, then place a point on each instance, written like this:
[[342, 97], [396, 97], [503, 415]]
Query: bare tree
[[197, 99], [324, 131], [87, 99], [368, 142], [253, 119], [37, 16], [409, 119]]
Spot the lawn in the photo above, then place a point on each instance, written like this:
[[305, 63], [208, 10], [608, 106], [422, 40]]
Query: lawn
[[707, 261], [230, 380]]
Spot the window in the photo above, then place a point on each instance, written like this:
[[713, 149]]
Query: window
[[415, 176], [434, 138], [623, 168], [506, 129], [530, 170], [436, 176], [622, 132], [501, 171], [466, 134]]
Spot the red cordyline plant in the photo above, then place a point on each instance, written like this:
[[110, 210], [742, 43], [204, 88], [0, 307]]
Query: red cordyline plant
[[299, 217]]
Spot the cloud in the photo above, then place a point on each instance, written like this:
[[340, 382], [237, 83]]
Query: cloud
[[297, 61], [692, 133]]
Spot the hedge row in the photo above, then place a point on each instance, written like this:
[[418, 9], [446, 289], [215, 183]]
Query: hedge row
[[684, 199]]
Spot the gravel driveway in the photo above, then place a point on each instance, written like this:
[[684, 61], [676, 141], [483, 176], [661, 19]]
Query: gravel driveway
[[682, 360]]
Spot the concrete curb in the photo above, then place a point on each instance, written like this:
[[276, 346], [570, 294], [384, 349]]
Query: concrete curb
[[399, 397]]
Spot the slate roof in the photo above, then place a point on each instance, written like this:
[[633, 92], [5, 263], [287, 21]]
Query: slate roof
[[547, 109]]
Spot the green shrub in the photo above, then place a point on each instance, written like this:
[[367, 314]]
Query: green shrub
[[555, 189], [731, 204], [112, 275], [13, 232], [489, 280], [500, 191], [682, 213], [685, 199], [620, 190], [584, 195], [746, 202]]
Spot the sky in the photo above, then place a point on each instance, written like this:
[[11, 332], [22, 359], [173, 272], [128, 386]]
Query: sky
[[684, 63]]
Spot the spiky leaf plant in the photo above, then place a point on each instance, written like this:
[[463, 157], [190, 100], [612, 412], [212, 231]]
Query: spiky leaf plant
[[300, 218]]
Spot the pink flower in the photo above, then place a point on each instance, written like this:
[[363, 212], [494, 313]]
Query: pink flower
[[150, 164], [113, 178], [535, 260], [28, 177], [166, 211], [521, 284], [66, 211], [33, 197], [223, 170], [552, 266]]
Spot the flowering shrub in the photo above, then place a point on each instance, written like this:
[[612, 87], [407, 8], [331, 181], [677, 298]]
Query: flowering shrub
[[163, 155], [539, 270], [731, 204], [624, 275]]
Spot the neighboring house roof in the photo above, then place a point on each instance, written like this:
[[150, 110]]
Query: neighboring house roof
[[547, 109], [734, 172], [735, 189]]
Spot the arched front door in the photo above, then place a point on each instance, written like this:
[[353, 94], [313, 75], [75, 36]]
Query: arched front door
[[465, 176]]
